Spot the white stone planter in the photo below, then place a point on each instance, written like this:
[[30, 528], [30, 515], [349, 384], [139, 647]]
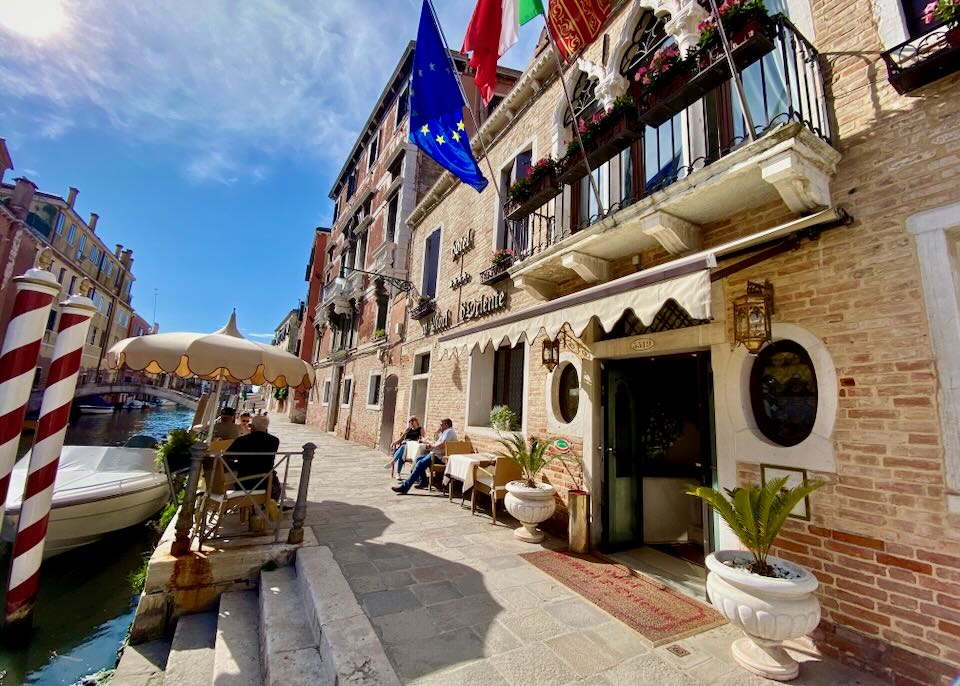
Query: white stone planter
[[530, 506], [768, 610]]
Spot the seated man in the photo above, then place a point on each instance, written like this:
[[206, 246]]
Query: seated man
[[224, 427], [419, 474], [257, 441]]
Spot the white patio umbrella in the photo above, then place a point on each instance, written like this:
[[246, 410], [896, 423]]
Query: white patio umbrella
[[224, 355]]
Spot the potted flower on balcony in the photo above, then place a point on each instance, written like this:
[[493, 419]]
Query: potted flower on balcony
[[500, 261], [749, 31], [659, 85], [379, 333], [740, 18], [605, 133], [529, 501], [947, 11], [425, 306], [769, 598], [532, 191]]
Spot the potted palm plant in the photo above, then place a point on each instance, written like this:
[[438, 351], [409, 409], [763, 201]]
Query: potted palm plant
[[529, 501], [769, 598]]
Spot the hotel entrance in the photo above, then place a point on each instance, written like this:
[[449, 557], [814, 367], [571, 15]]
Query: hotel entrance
[[658, 437]]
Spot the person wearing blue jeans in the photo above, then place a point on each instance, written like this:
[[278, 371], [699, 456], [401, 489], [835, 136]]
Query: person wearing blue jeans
[[413, 432], [419, 474]]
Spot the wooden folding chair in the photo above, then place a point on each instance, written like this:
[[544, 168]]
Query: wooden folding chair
[[493, 481], [227, 495]]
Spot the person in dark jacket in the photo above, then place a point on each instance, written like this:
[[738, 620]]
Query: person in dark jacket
[[257, 441], [413, 432]]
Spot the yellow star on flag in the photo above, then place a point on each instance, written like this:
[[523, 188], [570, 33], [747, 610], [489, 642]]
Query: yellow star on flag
[[424, 129], [456, 136], [460, 126], [433, 67], [441, 140]]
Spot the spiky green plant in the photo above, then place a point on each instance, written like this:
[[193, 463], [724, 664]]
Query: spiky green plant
[[756, 513], [531, 457]]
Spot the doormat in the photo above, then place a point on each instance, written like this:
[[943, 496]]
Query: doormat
[[658, 614]]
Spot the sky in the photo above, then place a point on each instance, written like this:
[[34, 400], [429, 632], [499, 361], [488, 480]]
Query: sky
[[205, 133]]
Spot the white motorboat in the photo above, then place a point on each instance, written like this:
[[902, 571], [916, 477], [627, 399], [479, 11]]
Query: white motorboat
[[94, 409], [97, 490]]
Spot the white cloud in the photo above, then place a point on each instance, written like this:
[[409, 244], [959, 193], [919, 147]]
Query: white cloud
[[232, 85], [259, 335]]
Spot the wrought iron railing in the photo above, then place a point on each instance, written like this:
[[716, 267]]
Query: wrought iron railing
[[201, 516], [784, 86], [920, 61]]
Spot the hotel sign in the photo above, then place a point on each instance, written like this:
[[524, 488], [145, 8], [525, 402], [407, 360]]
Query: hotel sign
[[441, 321], [462, 245], [482, 306]]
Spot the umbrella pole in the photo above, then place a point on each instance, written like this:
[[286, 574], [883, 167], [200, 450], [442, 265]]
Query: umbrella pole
[[216, 406]]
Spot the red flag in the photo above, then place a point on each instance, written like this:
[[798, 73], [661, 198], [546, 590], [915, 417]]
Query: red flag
[[489, 35], [575, 23]]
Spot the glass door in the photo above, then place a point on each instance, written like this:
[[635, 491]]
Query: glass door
[[622, 526]]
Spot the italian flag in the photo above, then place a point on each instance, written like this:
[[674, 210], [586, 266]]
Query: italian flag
[[494, 28]]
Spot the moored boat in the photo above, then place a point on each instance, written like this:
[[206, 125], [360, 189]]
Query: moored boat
[[97, 490], [94, 405]]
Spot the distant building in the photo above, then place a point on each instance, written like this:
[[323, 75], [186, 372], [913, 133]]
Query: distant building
[[31, 219], [286, 337], [309, 339]]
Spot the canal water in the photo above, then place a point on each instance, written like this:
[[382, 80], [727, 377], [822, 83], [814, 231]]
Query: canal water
[[85, 605]]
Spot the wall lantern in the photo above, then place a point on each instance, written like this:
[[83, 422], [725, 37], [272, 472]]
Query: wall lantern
[[550, 355], [751, 316]]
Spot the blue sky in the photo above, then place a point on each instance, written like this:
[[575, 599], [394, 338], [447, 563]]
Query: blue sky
[[206, 134]]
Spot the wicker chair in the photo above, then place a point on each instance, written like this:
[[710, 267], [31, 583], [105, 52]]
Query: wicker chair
[[493, 481]]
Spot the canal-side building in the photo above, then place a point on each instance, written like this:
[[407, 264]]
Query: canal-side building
[[309, 334], [78, 253], [361, 317], [613, 321]]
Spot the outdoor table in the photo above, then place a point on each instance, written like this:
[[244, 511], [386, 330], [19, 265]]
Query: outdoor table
[[460, 467]]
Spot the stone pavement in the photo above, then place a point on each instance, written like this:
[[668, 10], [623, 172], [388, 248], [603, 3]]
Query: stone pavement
[[454, 603]]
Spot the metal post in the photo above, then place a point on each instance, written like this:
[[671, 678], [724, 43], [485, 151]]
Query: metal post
[[300, 509], [181, 544], [733, 72], [24, 581]]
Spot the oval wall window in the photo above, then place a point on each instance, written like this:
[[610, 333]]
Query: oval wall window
[[783, 393], [568, 393]]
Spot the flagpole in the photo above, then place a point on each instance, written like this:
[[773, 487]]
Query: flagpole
[[574, 126], [466, 101], [733, 71]]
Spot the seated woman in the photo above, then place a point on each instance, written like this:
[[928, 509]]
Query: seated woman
[[413, 432]]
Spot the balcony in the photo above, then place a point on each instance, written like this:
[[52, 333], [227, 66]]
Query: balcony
[[921, 61], [698, 167]]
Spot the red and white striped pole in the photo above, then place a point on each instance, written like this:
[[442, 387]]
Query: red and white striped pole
[[75, 316], [19, 355]]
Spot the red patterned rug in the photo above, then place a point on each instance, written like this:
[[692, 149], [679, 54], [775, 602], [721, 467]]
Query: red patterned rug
[[658, 614]]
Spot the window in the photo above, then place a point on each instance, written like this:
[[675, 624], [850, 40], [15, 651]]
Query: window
[[374, 150], [73, 284], [421, 363], [431, 264], [568, 393], [326, 392], [361, 260], [62, 275], [351, 184], [913, 12], [402, 103], [336, 210], [81, 246], [508, 379], [783, 393], [109, 268], [373, 390], [93, 335], [72, 234], [512, 235], [347, 389], [492, 105], [60, 221], [95, 254], [383, 308], [51, 320], [393, 214]]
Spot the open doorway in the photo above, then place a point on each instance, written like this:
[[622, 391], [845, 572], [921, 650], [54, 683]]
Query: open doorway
[[658, 417]]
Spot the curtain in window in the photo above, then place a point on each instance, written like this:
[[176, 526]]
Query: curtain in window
[[431, 264]]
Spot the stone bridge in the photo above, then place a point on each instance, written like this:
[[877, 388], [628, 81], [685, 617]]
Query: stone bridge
[[178, 397]]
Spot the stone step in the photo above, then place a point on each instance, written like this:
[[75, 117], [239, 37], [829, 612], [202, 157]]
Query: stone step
[[236, 659], [347, 640], [190, 662], [288, 651], [142, 665]]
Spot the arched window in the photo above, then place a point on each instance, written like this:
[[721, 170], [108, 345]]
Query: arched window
[[648, 35]]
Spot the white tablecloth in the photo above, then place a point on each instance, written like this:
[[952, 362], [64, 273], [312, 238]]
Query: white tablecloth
[[460, 467]]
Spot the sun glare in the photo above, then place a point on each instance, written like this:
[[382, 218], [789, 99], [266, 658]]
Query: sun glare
[[32, 18]]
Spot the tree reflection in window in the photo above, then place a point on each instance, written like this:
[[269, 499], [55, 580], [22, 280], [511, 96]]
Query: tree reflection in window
[[783, 393]]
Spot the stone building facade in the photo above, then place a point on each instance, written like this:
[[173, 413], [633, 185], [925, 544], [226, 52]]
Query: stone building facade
[[361, 314], [845, 203]]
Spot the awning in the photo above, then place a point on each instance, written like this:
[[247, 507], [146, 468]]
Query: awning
[[685, 280]]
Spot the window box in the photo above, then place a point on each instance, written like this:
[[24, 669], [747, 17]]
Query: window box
[[617, 134], [921, 61], [496, 273], [423, 309], [541, 190], [711, 70]]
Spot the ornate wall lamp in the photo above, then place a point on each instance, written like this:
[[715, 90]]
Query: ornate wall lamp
[[751, 317], [550, 355]]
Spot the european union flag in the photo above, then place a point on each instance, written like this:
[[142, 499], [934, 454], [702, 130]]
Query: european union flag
[[436, 105]]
